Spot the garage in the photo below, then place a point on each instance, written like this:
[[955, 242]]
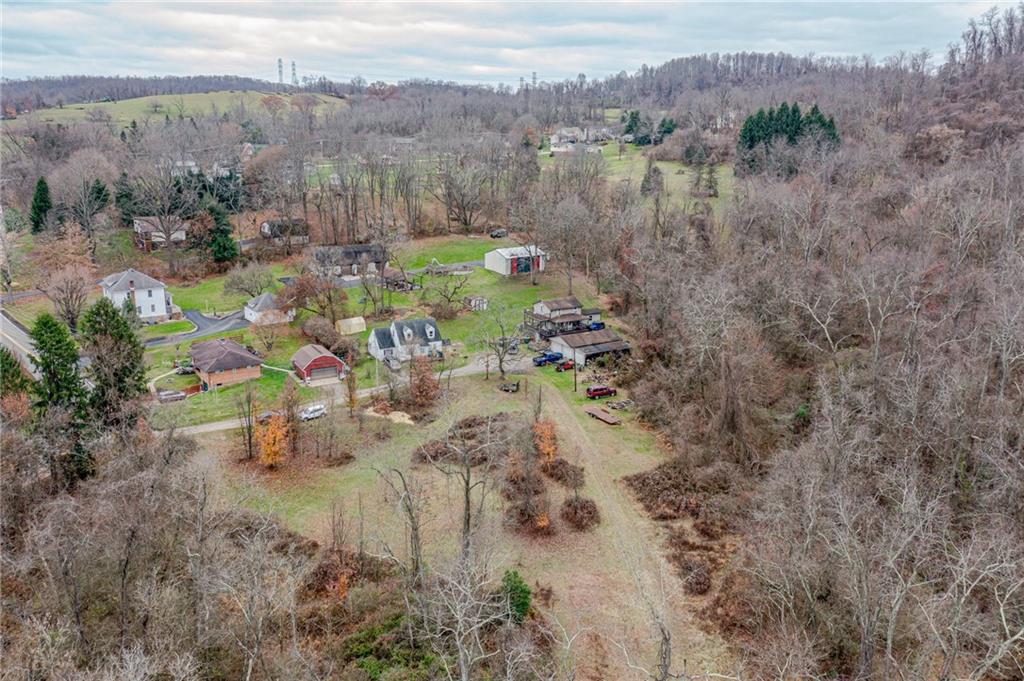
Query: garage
[[315, 362]]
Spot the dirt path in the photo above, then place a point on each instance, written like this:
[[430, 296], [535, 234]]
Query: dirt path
[[606, 578]]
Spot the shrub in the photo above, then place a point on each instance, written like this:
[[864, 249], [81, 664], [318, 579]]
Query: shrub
[[518, 593], [580, 513], [322, 331]]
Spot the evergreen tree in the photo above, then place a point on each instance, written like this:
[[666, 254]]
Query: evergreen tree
[[222, 246], [56, 359], [41, 205], [13, 379], [666, 127], [131, 314], [653, 182], [100, 195], [116, 367], [124, 199]]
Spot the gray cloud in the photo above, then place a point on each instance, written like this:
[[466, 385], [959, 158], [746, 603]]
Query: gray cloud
[[471, 42]]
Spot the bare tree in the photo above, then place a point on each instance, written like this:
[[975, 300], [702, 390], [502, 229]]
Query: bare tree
[[497, 334], [245, 407], [68, 289], [252, 279]]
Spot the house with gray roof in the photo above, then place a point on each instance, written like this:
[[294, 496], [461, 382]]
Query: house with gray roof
[[263, 309], [405, 339], [147, 295], [348, 260]]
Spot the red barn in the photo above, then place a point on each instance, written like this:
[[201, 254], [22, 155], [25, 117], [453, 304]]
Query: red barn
[[316, 362]]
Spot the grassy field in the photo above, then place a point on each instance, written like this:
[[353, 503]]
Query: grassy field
[[27, 309], [167, 329], [209, 296], [160, 359], [447, 250], [593, 575], [142, 108]]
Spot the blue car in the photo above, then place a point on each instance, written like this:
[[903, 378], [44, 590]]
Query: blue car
[[547, 358]]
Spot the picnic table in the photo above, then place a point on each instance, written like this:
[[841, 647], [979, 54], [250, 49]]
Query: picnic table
[[602, 414]]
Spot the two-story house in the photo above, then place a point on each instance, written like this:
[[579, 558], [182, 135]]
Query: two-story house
[[559, 316], [406, 339], [148, 296], [348, 260]]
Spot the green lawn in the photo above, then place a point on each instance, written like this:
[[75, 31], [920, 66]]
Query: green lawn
[[157, 107], [160, 360], [27, 309], [209, 296], [167, 329], [447, 250], [219, 404]]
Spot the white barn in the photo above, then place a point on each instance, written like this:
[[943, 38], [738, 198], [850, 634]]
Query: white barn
[[516, 260], [148, 296]]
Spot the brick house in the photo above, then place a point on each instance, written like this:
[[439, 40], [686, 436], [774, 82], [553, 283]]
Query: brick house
[[222, 362]]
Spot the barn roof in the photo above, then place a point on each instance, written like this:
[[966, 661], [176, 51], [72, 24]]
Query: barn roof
[[307, 353], [519, 252]]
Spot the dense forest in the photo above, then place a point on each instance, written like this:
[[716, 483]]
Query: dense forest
[[834, 355]]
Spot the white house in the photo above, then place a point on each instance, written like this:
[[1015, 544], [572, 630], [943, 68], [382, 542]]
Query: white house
[[516, 260], [148, 296], [263, 309], [406, 339]]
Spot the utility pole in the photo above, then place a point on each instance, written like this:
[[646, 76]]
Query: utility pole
[[534, 80], [295, 78], [280, 71]]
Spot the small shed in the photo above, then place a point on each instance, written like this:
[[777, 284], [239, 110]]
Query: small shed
[[347, 327], [315, 362], [587, 346], [516, 260]]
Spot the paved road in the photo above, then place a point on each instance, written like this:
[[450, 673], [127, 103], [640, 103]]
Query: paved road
[[17, 341], [205, 326], [470, 369]]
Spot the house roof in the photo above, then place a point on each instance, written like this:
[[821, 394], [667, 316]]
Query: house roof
[[307, 353], [419, 330], [349, 254], [519, 251], [383, 336], [262, 303], [567, 303], [151, 223], [128, 280], [585, 338], [601, 348], [221, 354]]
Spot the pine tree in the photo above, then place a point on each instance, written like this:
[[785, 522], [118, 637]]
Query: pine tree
[[131, 314], [116, 366], [13, 379], [653, 182], [222, 246], [41, 205], [99, 194], [124, 199], [56, 360]]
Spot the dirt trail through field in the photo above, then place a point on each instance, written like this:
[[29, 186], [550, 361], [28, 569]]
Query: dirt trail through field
[[606, 579]]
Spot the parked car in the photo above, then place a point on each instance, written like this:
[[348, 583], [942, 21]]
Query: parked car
[[546, 358], [595, 326], [499, 233], [311, 412], [170, 395], [265, 417], [596, 391], [567, 365]]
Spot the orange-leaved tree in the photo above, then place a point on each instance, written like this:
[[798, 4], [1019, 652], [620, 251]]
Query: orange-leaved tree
[[273, 441], [546, 440]]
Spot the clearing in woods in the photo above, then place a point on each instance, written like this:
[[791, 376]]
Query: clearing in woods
[[594, 575]]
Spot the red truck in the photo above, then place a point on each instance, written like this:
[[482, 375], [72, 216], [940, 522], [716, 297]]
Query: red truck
[[596, 391]]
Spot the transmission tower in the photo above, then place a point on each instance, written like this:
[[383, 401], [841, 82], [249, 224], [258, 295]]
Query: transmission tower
[[534, 80], [295, 78], [280, 71]]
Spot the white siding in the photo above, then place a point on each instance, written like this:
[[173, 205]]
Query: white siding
[[150, 303], [496, 262]]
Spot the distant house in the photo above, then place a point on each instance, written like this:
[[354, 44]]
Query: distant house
[[348, 260], [221, 362], [314, 362], [263, 309], [406, 339], [151, 231], [148, 296], [558, 316], [586, 346], [515, 260], [570, 135], [294, 231]]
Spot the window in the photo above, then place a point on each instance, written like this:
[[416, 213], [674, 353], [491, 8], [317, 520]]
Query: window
[[430, 332], [138, 308], [152, 308], [150, 292], [408, 333]]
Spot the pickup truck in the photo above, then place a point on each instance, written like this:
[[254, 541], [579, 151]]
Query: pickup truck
[[546, 358], [596, 391]]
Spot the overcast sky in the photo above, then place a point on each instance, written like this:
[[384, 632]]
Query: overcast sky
[[469, 42]]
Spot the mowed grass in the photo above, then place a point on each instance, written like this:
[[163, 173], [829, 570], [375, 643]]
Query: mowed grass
[[167, 329], [447, 250], [141, 109], [26, 310], [209, 296], [219, 404], [160, 359]]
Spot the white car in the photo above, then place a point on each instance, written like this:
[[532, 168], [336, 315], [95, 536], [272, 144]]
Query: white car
[[311, 412]]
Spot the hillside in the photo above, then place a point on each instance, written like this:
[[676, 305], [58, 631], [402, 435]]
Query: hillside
[[197, 104]]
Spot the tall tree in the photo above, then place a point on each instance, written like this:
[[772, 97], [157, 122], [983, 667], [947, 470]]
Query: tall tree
[[56, 358], [116, 367], [41, 205], [222, 245], [13, 379]]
